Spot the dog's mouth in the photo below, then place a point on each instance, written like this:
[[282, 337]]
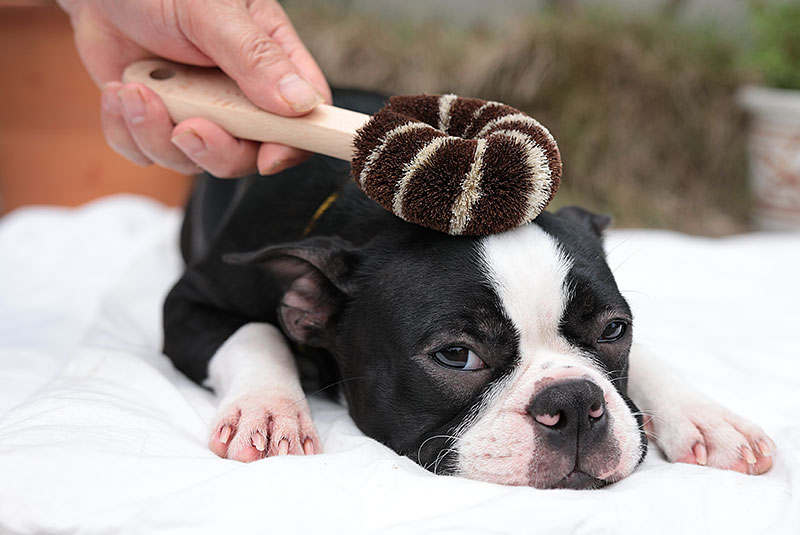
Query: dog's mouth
[[578, 480]]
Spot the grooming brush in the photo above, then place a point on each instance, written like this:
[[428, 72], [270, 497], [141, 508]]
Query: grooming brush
[[456, 165]]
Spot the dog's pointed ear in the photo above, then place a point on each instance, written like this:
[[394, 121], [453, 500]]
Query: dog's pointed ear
[[597, 223], [315, 276]]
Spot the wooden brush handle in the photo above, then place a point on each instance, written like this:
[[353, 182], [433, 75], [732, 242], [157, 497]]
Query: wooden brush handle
[[204, 92]]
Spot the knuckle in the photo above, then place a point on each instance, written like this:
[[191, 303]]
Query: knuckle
[[228, 171], [231, 163], [168, 159], [260, 53], [186, 168], [226, 167]]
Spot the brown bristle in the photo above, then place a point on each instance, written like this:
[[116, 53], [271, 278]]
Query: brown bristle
[[457, 165]]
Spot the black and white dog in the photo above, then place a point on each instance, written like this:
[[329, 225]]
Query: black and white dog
[[506, 358]]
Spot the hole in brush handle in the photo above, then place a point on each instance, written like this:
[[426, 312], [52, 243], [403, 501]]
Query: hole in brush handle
[[162, 73]]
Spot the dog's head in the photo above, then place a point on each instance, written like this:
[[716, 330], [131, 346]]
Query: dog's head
[[502, 358]]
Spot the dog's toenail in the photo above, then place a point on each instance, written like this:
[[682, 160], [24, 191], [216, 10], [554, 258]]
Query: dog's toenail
[[258, 442], [701, 454], [283, 447]]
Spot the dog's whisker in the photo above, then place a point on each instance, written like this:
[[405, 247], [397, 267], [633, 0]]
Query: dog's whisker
[[440, 458], [621, 263], [649, 417], [326, 387], [620, 244], [451, 438], [627, 292]]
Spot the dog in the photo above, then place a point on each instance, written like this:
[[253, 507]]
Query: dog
[[507, 358]]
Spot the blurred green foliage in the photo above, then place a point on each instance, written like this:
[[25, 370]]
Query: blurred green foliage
[[776, 53]]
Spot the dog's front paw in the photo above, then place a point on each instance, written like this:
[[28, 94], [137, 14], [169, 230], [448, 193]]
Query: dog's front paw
[[260, 425], [708, 434]]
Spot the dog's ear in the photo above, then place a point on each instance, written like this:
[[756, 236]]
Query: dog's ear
[[597, 223], [315, 277]]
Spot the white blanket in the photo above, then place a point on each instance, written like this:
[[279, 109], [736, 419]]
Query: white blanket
[[99, 434]]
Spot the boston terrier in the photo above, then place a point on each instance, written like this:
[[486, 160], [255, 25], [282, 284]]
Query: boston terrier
[[505, 358]]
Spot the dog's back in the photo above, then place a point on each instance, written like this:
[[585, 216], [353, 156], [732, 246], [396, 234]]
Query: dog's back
[[292, 194]]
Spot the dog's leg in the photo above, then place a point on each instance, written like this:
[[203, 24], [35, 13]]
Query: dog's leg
[[263, 410], [688, 426]]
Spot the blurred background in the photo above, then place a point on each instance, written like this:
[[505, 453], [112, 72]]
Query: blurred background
[[643, 96]]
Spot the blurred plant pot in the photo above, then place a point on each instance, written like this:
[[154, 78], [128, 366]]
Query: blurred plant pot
[[774, 155]]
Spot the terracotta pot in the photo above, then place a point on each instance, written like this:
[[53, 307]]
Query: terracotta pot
[[774, 155]]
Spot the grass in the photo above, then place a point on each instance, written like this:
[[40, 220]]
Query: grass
[[644, 111]]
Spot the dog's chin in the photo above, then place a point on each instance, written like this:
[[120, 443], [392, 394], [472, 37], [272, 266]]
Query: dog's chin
[[578, 480]]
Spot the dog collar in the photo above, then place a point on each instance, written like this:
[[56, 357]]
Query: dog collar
[[319, 212]]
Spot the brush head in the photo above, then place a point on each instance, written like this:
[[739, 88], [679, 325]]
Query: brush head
[[463, 166]]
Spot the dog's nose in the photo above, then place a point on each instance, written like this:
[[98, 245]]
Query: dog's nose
[[571, 411]]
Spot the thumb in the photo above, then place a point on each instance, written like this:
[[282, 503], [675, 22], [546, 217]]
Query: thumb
[[226, 32]]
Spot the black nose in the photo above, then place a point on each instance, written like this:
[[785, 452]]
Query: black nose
[[571, 412]]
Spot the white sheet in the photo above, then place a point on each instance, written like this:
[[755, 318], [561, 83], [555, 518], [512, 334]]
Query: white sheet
[[98, 434]]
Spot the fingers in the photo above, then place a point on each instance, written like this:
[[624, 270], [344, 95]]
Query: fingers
[[253, 48], [224, 156], [213, 149], [115, 129], [273, 158], [138, 127], [150, 127]]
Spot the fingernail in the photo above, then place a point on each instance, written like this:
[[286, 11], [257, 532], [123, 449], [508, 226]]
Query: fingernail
[[749, 456], [271, 168], [132, 103], [308, 446], [190, 143], [278, 166], [764, 448], [298, 93]]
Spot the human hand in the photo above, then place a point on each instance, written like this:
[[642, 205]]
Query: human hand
[[253, 41]]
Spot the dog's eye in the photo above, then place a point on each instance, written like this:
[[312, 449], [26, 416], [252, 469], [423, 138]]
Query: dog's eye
[[459, 358], [613, 331]]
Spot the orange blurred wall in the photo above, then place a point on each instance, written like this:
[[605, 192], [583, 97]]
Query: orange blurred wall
[[52, 149]]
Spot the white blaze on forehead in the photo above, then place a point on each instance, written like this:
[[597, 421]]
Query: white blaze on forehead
[[528, 270]]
